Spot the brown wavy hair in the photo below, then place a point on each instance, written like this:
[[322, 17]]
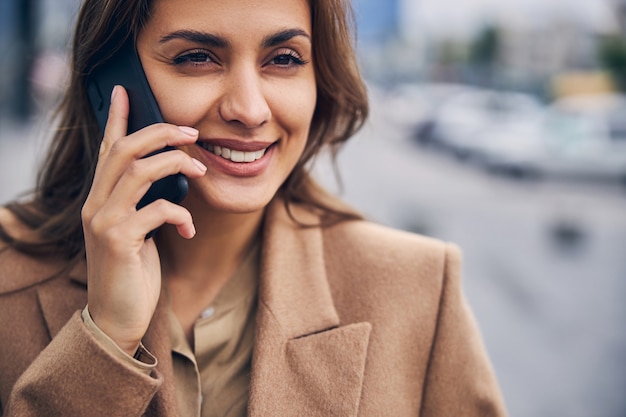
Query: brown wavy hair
[[64, 179]]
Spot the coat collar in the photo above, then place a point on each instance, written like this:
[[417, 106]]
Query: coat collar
[[304, 361], [293, 282]]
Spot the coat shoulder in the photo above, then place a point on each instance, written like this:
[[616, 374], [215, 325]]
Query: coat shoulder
[[375, 267], [19, 271], [367, 242]]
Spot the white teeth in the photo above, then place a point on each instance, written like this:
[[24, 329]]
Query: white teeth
[[236, 156], [233, 155], [249, 156]]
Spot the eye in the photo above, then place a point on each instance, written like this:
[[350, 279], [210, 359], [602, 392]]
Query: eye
[[287, 58], [193, 58]]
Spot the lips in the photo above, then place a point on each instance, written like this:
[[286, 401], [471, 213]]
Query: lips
[[237, 158], [233, 155]]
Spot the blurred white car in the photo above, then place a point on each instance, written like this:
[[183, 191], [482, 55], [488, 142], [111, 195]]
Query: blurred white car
[[433, 97], [460, 124], [582, 137]]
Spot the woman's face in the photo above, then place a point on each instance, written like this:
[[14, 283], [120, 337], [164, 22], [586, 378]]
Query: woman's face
[[241, 72]]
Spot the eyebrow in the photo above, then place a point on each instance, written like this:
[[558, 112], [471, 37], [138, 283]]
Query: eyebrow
[[283, 36], [197, 37], [216, 41]]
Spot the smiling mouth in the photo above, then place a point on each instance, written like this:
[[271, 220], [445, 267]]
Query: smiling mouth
[[231, 154]]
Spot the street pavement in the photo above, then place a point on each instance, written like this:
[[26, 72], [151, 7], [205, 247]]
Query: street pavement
[[544, 264]]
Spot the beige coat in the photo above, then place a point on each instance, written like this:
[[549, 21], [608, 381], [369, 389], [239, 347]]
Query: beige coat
[[353, 320]]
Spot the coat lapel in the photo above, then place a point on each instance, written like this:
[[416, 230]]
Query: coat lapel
[[157, 340], [304, 362], [60, 299]]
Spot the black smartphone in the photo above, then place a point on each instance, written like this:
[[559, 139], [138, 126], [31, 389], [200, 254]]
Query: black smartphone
[[124, 68]]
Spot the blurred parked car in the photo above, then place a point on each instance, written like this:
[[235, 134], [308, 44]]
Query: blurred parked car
[[434, 96], [459, 123], [581, 138], [404, 104]]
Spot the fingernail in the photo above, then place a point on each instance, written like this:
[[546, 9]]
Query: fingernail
[[199, 164], [113, 93], [189, 131]]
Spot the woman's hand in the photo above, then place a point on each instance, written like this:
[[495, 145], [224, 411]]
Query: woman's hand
[[124, 269]]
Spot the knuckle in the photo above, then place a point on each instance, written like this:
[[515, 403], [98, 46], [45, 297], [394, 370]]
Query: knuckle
[[86, 214], [136, 168], [96, 225], [117, 147], [104, 147], [166, 131], [182, 155], [178, 158], [89, 209], [161, 205], [110, 236], [162, 129]]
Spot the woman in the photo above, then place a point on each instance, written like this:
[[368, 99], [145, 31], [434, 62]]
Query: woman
[[260, 294]]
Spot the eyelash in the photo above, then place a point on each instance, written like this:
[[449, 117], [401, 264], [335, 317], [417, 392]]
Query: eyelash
[[191, 58], [200, 57], [293, 57]]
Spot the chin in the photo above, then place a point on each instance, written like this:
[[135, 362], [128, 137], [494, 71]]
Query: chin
[[236, 201], [240, 207]]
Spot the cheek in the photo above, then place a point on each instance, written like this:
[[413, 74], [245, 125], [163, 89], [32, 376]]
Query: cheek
[[294, 107], [183, 103]]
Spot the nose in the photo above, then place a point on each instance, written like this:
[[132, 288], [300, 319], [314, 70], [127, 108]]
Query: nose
[[244, 101]]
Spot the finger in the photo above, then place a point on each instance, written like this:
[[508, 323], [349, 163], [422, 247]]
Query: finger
[[151, 139], [123, 232], [142, 173], [158, 213], [127, 150], [117, 121], [115, 129]]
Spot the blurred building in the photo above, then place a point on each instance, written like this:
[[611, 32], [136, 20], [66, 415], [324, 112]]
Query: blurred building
[[17, 44], [619, 6], [563, 52], [532, 55], [377, 20], [387, 53], [34, 39], [6, 35]]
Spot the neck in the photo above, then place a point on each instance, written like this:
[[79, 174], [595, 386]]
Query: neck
[[221, 242], [196, 270]]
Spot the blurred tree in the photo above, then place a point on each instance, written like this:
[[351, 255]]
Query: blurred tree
[[612, 53], [450, 57], [486, 46], [485, 53]]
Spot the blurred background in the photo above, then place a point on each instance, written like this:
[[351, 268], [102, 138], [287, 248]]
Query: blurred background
[[498, 125]]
